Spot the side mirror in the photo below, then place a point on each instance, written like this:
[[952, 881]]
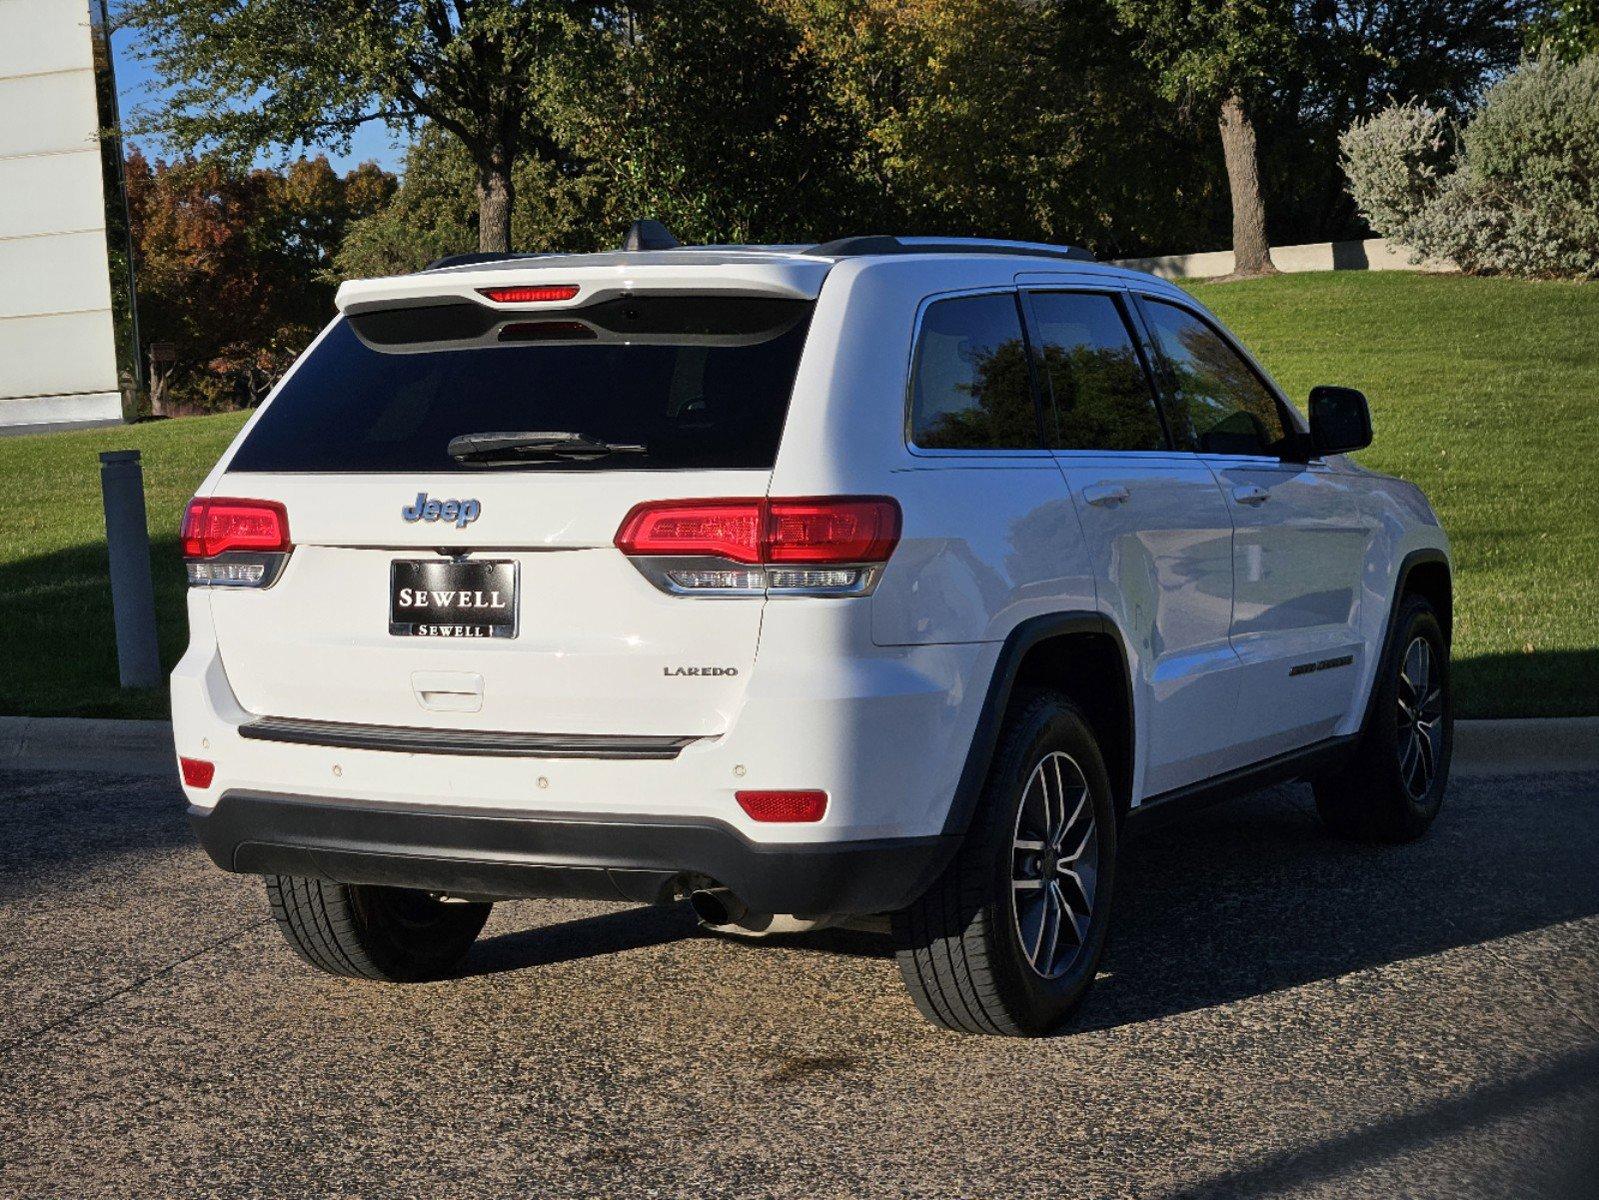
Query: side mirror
[[1340, 420]]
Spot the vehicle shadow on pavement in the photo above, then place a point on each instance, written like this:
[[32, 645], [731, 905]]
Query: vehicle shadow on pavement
[[588, 937], [1243, 899], [1255, 896]]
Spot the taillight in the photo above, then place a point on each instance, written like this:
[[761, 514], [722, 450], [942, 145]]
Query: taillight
[[831, 531], [783, 806], [822, 545], [239, 543], [530, 295], [719, 528]]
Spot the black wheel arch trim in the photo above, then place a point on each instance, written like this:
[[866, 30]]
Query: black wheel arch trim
[[1407, 565], [1002, 683]]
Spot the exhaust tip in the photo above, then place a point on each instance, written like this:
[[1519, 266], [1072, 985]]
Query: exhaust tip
[[717, 906]]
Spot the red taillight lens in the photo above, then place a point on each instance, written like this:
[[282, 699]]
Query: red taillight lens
[[213, 526], [719, 528], [783, 806], [847, 529], [831, 531], [197, 773], [530, 295]]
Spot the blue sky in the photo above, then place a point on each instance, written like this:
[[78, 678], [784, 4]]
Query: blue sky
[[135, 87]]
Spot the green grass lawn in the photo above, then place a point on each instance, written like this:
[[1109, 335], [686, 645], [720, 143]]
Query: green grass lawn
[[55, 592], [1485, 392]]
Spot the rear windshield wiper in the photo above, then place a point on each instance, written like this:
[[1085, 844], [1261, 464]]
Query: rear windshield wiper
[[522, 447]]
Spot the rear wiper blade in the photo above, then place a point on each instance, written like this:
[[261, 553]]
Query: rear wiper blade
[[514, 447]]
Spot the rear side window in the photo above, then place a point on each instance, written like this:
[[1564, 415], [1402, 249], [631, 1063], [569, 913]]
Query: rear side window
[[680, 382], [970, 388], [1218, 404], [1102, 396]]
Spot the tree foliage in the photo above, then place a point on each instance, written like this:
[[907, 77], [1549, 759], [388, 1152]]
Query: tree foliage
[[301, 73], [233, 267]]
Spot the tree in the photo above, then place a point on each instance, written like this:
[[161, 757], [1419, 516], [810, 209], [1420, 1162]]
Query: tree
[[1356, 57], [232, 267], [1224, 56], [284, 73], [434, 211], [715, 117], [1567, 30]]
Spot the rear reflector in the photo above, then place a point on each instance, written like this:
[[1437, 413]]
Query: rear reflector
[[197, 773], [215, 526], [813, 531], [783, 806], [530, 295]]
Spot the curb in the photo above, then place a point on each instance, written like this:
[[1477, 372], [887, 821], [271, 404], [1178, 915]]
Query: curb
[[1483, 749], [88, 744]]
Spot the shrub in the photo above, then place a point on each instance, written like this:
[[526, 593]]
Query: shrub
[[1394, 162], [1523, 195]]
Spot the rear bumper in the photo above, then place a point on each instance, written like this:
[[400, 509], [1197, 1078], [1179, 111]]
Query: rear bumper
[[506, 855]]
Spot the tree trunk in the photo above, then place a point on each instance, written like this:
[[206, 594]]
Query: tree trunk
[[494, 195], [1251, 250]]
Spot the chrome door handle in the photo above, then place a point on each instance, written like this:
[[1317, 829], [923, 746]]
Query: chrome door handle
[[1105, 493], [1251, 495]]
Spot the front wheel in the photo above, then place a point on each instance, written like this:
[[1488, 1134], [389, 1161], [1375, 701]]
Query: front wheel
[[397, 935], [1008, 939], [1393, 784]]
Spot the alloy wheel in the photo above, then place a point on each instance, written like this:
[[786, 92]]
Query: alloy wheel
[[1420, 719], [1054, 865]]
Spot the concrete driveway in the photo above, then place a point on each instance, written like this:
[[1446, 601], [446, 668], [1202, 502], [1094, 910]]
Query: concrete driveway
[[1280, 1014]]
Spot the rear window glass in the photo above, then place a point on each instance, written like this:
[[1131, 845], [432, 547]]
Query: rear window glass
[[674, 382]]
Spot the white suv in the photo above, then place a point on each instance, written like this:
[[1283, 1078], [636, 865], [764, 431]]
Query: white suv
[[882, 577]]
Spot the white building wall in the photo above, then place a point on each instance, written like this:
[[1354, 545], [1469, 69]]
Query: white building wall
[[57, 340]]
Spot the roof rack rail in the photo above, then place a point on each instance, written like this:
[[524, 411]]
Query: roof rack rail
[[477, 256], [853, 247]]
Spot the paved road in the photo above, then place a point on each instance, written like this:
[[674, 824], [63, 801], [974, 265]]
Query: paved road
[[1280, 1014]]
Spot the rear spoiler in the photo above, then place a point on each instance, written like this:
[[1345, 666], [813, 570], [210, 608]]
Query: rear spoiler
[[596, 277]]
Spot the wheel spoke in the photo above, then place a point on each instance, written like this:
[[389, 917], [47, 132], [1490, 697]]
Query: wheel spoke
[[1432, 707], [1059, 827], [1049, 934], [1407, 756], [1075, 893]]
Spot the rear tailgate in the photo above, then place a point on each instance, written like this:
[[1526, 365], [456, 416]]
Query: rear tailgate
[[686, 396], [597, 649]]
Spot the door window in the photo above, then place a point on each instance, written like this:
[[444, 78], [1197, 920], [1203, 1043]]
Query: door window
[[970, 388], [1102, 397], [1217, 403]]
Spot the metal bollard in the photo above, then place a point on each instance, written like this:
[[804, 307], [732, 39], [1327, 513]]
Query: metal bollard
[[132, 593]]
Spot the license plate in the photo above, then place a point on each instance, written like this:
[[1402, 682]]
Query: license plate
[[444, 598]]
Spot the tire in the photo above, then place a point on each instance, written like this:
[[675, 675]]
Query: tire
[[396, 935], [969, 948], [1393, 784]]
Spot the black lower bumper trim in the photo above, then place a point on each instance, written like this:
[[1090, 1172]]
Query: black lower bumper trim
[[501, 855], [500, 743]]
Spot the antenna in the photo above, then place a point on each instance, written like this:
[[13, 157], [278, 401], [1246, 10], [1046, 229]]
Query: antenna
[[649, 235]]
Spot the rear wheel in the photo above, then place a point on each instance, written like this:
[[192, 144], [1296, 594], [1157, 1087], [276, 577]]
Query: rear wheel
[[397, 935], [1009, 937], [1393, 785]]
